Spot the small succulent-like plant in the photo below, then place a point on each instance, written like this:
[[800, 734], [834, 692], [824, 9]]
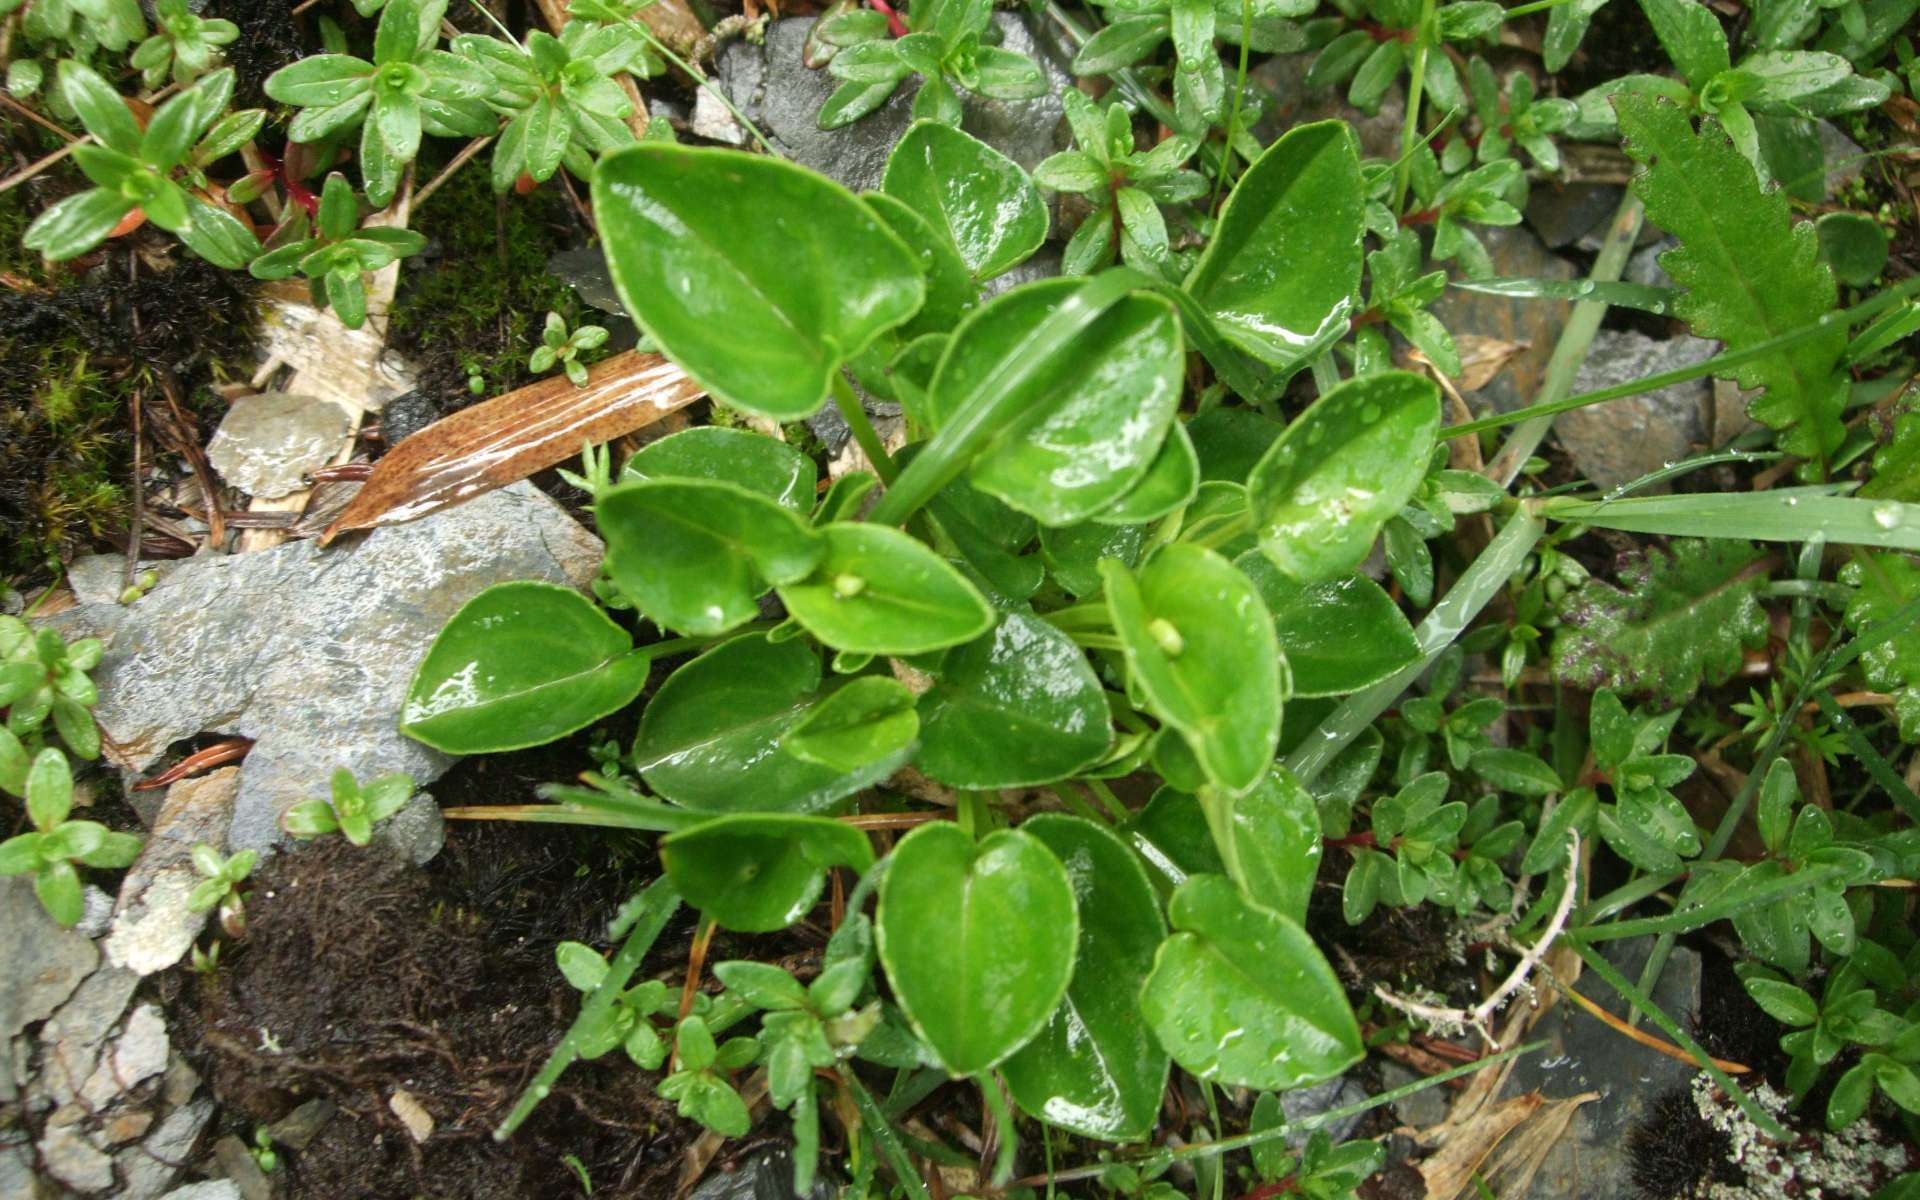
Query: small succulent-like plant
[[184, 45], [336, 255], [353, 810], [948, 43], [44, 676], [57, 847], [220, 880], [559, 345], [1125, 186]]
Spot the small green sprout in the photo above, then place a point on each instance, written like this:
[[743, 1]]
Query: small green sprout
[[557, 345], [184, 46], [353, 811], [220, 880], [338, 255], [264, 1155], [42, 675], [56, 848]]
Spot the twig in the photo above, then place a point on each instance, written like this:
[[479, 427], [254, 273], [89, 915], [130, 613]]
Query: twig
[[34, 168], [36, 118], [459, 160], [1481, 1017], [1643, 1037]]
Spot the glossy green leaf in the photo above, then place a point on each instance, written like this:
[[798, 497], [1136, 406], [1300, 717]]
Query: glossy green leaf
[[1200, 646], [978, 197], [758, 872], [951, 290], [1853, 245], [1240, 994], [711, 737], [1171, 482], [1171, 836], [1339, 636], [878, 591], [978, 940], [1083, 427], [1339, 472], [1018, 707], [696, 555], [757, 276], [1282, 273], [749, 460], [1072, 552], [870, 719], [1229, 441], [520, 665], [1269, 840], [1095, 1069]]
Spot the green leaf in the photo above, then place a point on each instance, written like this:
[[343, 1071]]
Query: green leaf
[[76, 224], [1019, 707], [1170, 484], [1679, 615], [761, 984], [321, 80], [57, 884], [1095, 1069], [1883, 585], [870, 719], [758, 277], [49, 790], [1241, 995], [1516, 771], [1783, 1002], [1692, 37], [749, 460], [978, 197], [1271, 846], [711, 738], [696, 555], [1201, 648], [582, 965], [758, 872], [1282, 273], [1084, 425], [520, 665], [1072, 552], [878, 591], [978, 940], [99, 107], [217, 235], [951, 291], [1339, 636], [1853, 245], [1348, 464], [1750, 274]]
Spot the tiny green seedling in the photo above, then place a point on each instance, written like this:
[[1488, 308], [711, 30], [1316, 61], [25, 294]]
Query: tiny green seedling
[[44, 676], [56, 847], [353, 811], [220, 880], [558, 345], [627, 1022], [338, 254], [184, 46]]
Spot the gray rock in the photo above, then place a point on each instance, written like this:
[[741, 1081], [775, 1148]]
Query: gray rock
[[138, 1055], [1842, 154], [1589, 1162], [1562, 214], [211, 1189], [766, 1176], [153, 927], [152, 1166], [267, 443], [1532, 324], [1301, 1103], [1643, 266], [1423, 1109], [69, 1158], [44, 962], [309, 651], [417, 831], [96, 912], [97, 578], [407, 415], [782, 97], [298, 1128], [240, 1169], [1284, 77], [585, 271], [17, 1178], [72, 1038], [1617, 442]]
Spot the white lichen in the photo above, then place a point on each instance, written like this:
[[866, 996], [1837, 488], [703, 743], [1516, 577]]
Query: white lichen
[[1829, 1166]]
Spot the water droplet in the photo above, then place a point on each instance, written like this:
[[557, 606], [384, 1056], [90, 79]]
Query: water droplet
[[1886, 516], [1793, 501], [1584, 288]]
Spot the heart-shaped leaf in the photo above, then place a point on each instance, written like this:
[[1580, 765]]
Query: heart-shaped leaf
[[1096, 1069], [1270, 842], [1339, 636], [1240, 994], [1171, 482], [696, 555], [711, 736], [757, 276], [1282, 273], [1171, 836], [978, 197], [978, 940], [521, 664], [1200, 645], [749, 460], [951, 290], [1085, 424], [1017, 708], [878, 591], [1339, 472], [757, 872], [869, 719]]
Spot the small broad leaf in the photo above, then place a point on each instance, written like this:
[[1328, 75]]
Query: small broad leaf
[[951, 290], [978, 940], [1349, 463], [520, 665], [1272, 843], [1171, 481], [870, 719], [1338, 636], [1095, 1069], [978, 197], [757, 872], [1201, 647], [582, 965], [1018, 707], [49, 790], [1240, 994], [749, 460], [712, 737], [757, 276], [878, 591]]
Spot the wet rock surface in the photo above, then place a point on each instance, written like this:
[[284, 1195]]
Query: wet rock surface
[[267, 443], [45, 963], [153, 928], [1284, 78], [765, 1176], [1532, 324], [309, 651], [1617, 442]]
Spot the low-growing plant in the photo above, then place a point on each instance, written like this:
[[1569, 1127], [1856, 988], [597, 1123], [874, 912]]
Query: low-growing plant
[[57, 846], [352, 810], [559, 345], [220, 880]]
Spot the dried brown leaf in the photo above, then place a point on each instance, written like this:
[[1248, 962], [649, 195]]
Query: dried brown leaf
[[504, 440], [1450, 1169]]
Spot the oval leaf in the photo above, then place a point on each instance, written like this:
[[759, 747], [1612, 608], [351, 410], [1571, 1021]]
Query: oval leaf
[[1273, 843], [869, 719], [519, 665], [749, 460], [1240, 994], [878, 591], [1017, 708], [757, 276], [758, 872], [1339, 636], [1171, 482], [978, 197], [1339, 472], [1200, 645], [978, 940], [1096, 1069]]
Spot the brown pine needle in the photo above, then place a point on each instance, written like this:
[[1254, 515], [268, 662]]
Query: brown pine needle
[[1644, 1038]]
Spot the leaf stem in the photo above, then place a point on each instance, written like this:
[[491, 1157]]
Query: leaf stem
[[863, 431], [1417, 80]]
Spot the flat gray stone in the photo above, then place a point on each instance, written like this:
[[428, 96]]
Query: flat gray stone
[[44, 962], [765, 1176], [298, 1128], [1621, 440], [151, 1167], [771, 87], [267, 443], [309, 651], [153, 927], [138, 1055], [72, 1039], [240, 1169], [1301, 1103], [417, 831], [211, 1189], [1534, 325], [69, 1158]]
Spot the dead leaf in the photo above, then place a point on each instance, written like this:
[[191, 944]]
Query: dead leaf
[[1510, 1171], [504, 440], [1481, 358], [1451, 1168]]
